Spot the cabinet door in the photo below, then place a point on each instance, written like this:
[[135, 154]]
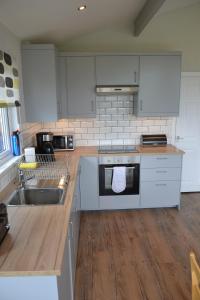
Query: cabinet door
[[81, 87], [117, 70], [66, 281], [160, 194], [89, 184], [39, 84], [159, 91], [76, 217]]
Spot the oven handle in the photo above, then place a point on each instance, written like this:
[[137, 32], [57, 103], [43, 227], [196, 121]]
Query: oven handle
[[131, 168]]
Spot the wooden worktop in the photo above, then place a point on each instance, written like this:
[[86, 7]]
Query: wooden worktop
[[36, 240]]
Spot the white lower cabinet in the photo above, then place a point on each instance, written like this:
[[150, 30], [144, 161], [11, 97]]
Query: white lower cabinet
[[160, 180], [89, 183]]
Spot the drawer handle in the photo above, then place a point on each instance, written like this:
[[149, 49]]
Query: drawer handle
[[161, 158], [135, 77], [161, 172], [161, 184]]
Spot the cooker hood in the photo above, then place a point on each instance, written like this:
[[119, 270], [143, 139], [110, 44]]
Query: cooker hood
[[116, 89]]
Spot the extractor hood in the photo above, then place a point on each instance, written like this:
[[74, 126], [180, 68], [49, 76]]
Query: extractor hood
[[116, 89]]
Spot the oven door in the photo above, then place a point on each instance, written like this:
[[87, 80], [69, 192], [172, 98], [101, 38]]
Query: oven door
[[132, 179]]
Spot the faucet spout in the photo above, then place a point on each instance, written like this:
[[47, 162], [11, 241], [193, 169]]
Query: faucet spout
[[24, 179]]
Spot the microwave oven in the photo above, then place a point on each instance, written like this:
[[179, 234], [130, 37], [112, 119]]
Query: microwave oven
[[63, 142]]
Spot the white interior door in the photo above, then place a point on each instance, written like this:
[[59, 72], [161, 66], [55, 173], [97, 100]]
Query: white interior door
[[188, 131]]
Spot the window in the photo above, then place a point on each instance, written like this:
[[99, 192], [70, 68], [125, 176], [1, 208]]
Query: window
[[5, 147]]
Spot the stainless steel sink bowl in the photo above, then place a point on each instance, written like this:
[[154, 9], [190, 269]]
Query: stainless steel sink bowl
[[37, 196]]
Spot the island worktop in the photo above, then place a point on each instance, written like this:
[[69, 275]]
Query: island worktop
[[36, 240]]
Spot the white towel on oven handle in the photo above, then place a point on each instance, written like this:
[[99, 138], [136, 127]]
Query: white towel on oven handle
[[119, 179]]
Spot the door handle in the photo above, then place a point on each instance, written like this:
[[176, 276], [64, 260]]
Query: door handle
[[141, 105], [178, 138], [92, 105], [135, 77]]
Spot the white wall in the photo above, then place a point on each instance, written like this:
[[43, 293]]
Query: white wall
[[11, 44]]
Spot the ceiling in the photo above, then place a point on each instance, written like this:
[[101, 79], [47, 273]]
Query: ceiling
[[59, 20], [170, 5]]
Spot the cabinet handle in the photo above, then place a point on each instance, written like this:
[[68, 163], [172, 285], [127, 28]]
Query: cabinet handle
[[178, 138], [161, 172], [161, 158], [71, 229], [141, 105], [59, 108], [135, 77], [161, 184], [92, 105]]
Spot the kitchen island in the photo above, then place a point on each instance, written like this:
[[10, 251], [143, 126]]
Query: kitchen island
[[33, 253]]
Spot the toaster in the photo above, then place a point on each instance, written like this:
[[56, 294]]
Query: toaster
[[63, 142], [4, 225]]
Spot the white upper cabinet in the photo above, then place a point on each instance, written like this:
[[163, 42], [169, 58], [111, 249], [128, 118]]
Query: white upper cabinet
[[40, 82], [117, 70], [159, 86]]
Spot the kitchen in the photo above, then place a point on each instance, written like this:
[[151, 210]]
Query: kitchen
[[95, 122]]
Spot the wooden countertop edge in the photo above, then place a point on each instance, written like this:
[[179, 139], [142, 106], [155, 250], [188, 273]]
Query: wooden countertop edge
[[30, 273], [78, 153]]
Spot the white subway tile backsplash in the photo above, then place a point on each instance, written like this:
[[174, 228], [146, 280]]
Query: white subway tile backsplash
[[94, 130], [144, 129], [117, 117], [104, 117], [123, 123], [117, 104], [104, 104], [99, 123], [114, 124], [87, 136], [74, 124], [87, 124], [117, 142], [80, 130], [81, 143], [105, 129], [130, 129], [112, 111], [111, 123], [117, 129], [111, 136]]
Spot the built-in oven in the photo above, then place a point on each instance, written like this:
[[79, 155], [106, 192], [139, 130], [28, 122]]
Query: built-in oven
[[132, 173]]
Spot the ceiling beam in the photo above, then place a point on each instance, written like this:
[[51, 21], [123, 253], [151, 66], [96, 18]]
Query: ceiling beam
[[146, 14]]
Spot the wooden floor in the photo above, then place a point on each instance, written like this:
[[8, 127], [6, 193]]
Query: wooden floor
[[138, 255]]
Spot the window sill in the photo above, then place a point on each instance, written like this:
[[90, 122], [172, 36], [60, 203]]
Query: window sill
[[8, 164]]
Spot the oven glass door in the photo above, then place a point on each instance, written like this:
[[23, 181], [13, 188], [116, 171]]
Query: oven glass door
[[106, 175]]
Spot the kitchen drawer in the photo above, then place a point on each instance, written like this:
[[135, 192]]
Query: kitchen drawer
[[119, 202], [159, 161], [160, 174], [160, 194]]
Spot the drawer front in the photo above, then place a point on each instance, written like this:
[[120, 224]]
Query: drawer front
[[160, 194], [160, 174], [159, 161], [119, 202]]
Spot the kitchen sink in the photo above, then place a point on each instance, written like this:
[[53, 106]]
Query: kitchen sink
[[37, 196]]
